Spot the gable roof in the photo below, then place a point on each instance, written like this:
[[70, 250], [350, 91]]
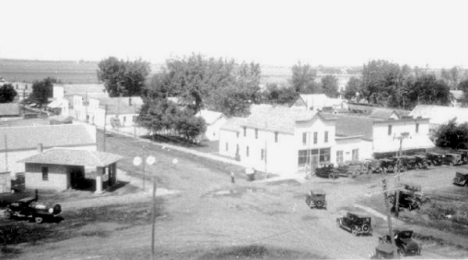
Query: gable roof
[[277, 119], [439, 114], [28, 137], [234, 124], [209, 116], [9, 109], [25, 122], [382, 113], [74, 158]]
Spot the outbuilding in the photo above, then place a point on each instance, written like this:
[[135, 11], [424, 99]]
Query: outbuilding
[[61, 169]]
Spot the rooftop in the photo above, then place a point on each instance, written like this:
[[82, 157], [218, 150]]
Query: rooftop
[[74, 158], [123, 105], [234, 124], [349, 125], [440, 114], [28, 137], [210, 116], [9, 109]]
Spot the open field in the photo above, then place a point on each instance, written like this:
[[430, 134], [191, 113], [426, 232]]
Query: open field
[[212, 218]]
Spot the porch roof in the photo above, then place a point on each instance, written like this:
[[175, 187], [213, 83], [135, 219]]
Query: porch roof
[[74, 158]]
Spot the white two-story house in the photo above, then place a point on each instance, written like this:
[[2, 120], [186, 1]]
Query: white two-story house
[[282, 140]]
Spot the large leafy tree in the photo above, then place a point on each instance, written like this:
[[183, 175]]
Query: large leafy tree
[[427, 89], [378, 79], [330, 86], [42, 90], [353, 89], [464, 87], [216, 84], [303, 79], [126, 78], [452, 135], [7, 93], [275, 94]]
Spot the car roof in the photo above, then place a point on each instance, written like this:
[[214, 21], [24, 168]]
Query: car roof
[[318, 191], [359, 214], [462, 173]]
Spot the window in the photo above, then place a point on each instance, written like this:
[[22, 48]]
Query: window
[[45, 173], [227, 146], [134, 119], [339, 156], [124, 119], [262, 156], [247, 151], [256, 133], [326, 136], [245, 131], [389, 129], [276, 137], [324, 155], [355, 155], [315, 137], [237, 134], [417, 128], [304, 157], [304, 138]]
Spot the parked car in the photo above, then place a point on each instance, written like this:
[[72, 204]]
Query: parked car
[[406, 162], [356, 223], [17, 184], [384, 251], [326, 171], [374, 166], [411, 197], [461, 178], [452, 159], [388, 164], [31, 209], [316, 198], [464, 155], [421, 161], [435, 158], [404, 242]]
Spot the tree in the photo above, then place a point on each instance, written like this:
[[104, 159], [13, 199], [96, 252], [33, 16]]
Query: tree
[[464, 87], [378, 79], [7, 93], [216, 84], [330, 86], [353, 89], [427, 89], [126, 78], [42, 90], [303, 79], [453, 136], [452, 76], [275, 94]]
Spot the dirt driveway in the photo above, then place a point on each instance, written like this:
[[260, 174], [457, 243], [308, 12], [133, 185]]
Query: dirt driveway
[[212, 218]]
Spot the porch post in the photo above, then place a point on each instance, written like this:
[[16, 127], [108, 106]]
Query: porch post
[[99, 171]]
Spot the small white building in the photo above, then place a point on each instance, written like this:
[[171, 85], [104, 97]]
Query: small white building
[[59, 105], [229, 134], [214, 121], [440, 115], [319, 102]]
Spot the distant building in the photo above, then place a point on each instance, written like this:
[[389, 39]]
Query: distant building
[[439, 115], [10, 111], [319, 102], [229, 137], [458, 97], [214, 121]]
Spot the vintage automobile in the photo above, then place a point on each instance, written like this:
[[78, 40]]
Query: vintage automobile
[[411, 197], [411, 162], [464, 155], [356, 223], [326, 171], [384, 251], [316, 199], [17, 184], [435, 158], [461, 178], [404, 242], [31, 209], [452, 159], [388, 164], [374, 166], [421, 161]]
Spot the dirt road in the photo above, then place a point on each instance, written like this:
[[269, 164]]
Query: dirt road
[[211, 218]]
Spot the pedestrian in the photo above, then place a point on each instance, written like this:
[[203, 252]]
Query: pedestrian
[[233, 179]]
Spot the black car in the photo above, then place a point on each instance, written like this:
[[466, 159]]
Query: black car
[[461, 178], [388, 165], [31, 209], [404, 242], [452, 159], [356, 223], [411, 197], [435, 158], [316, 198], [464, 155]]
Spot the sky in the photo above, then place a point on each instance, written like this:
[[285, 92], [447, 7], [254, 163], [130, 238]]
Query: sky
[[329, 32]]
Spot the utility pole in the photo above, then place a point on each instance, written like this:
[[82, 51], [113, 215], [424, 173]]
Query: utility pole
[[387, 209], [397, 184], [266, 145], [153, 217], [6, 154], [105, 122]]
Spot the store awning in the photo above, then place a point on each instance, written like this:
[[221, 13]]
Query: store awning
[[54, 104], [387, 145]]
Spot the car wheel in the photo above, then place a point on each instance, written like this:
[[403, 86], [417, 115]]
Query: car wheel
[[365, 228], [400, 252], [38, 219], [350, 175], [319, 203], [8, 214], [390, 168], [332, 176], [354, 232]]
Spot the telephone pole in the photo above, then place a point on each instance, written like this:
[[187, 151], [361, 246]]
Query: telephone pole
[[105, 134], [387, 209], [397, 184]]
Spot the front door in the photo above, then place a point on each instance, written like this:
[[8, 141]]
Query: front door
[[314, 162], [76, 177]]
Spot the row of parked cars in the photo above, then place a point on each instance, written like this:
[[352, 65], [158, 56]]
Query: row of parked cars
[[392, 164], [361, 224]]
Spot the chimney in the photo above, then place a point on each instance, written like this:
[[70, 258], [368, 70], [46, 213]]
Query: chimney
[[130, 101], [39, 147]]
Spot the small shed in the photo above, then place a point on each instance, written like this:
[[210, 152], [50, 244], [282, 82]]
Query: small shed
[[61, 169]]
